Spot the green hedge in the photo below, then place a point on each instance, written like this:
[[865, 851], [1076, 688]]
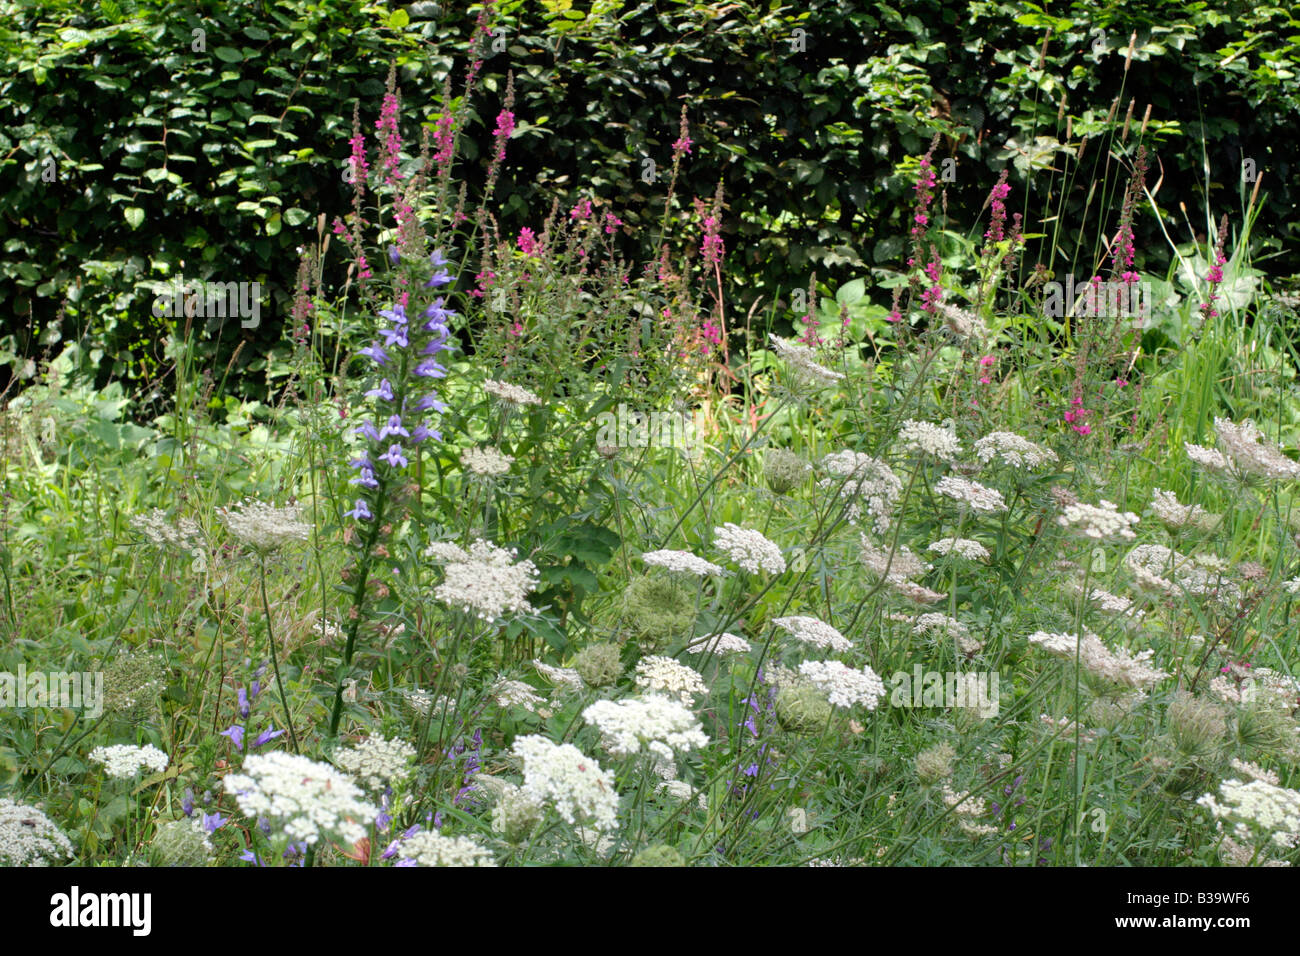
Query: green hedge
[[215, 163]]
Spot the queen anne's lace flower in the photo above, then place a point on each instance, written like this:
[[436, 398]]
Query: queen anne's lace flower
[[123, 761], [514, 394], [432, 848], [265, 527], [183, 536], [972, 494], [725, 643], [1118, 666], [1208, 458], [305, 800], [682, 561], [485, 581], [1257, 806], [515, 693], [926, 438], [562, 776], [1014, 450], [486, 462], [1250, 454], [819, 634], [28, 838], [663, 675], [966, 548], [949, 627], [749, 549], [801, 362], [867, 484], [1103, 522], [562, 677], [376, 762], [844, 686], [657, 724], [1173, 514]]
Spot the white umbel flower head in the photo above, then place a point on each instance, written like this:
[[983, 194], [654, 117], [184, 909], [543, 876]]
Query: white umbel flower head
[[486, 581], [1118, 666], [724, 643], [486, 462], [305, 800], [663, 675], [749, 549], [1250, 454], [966, 548], [29, 838], [1175, 515], [184, 535], [562, 776], [682, 561], [925, 438], [817, 633], [514, 394], [844, 686], [1101, 522], [431, 848], [123, 761], [659, 725], [871, 486], [265, 527], [376, 762], [1257, 807], [972, 494], [801, 362], [1210, 459], [1014, 450]]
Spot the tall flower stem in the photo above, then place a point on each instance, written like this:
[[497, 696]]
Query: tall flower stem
[[1078, 654], [275, 662]]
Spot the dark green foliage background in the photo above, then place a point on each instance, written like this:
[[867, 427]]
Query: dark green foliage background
[[216, 164]]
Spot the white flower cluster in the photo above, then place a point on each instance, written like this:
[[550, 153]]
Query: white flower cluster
[[484, 581], [1119, 666], [1260, 806], [1253, 771], [972, 494], [1166, 507], [663, 675], [28, 838], [487, 461], [895, 566], [265, 527], [124, 760], [801, 362], [961, 323], [183, 536], [683, 561], [565, 678], [421, 700], [431, 848], [1159, 569], [724, 643], [871, 486], [515, 693], [949, 627], [376, 762], [1292, 586], [305, 800], [514, 394], [844, 686], [1208, 458], [1112, 603], [966, 548], [749, 549], [926, 438], [1102, 522], [817, 633], [660, 725], [967, 809], [1014, 450], [560, 775], [1245, 446]]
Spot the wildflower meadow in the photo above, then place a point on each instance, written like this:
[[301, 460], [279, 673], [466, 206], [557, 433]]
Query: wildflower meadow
[[564, 544]]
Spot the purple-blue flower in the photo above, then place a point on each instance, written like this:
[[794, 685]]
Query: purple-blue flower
[[395, 336], [236, 733], [243, 703], [384, 391], [367, 429], [430, 369], [267, 735], [394, 456], [396, 314], [394, 427], [374, 351], [361, 512], [214, 821], [428, 402], [365, 479]]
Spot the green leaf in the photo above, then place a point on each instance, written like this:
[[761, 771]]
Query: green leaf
[[398, 19], [229, 54], [134, 216]]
